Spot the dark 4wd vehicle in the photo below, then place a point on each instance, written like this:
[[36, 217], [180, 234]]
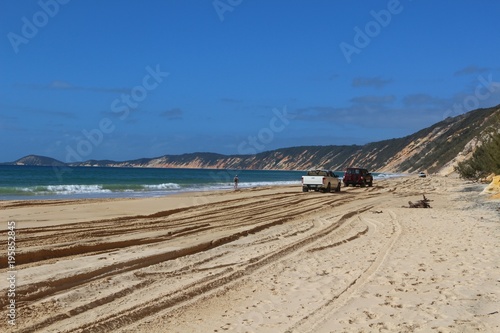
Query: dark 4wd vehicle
[[357, 176]]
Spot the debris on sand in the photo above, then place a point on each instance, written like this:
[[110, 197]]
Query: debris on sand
[[419, 204]]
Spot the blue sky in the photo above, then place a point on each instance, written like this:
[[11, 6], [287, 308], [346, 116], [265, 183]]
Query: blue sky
[[125, 79]]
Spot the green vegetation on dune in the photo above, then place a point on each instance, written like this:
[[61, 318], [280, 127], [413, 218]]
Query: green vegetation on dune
[[484, 161]]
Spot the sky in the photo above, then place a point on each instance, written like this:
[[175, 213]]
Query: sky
[[123, 79]]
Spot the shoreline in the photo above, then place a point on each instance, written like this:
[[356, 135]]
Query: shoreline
[[267, 259], [39, 184]]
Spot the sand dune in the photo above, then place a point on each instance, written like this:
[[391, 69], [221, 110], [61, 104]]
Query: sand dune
[[260, 260]]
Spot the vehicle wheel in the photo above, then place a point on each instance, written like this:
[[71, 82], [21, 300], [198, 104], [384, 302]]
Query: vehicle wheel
[[305, 189], [337, 189], [370, 184], [328, 188], [362, 184]]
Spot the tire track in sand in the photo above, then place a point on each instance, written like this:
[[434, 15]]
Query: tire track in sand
[[207, 285], [300, 204], [320, 316], [90, 237]]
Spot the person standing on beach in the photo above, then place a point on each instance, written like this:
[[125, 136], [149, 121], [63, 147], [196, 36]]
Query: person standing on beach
[[236, 180]]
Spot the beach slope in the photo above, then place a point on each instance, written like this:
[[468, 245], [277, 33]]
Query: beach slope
[[259, 260]]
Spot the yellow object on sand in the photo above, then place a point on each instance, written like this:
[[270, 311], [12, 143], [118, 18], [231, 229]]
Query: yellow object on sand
[[493, 188]]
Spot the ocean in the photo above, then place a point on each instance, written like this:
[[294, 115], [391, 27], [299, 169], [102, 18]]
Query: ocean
[[37, 182]]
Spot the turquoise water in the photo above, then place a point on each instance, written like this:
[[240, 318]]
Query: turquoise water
[[28, 182]]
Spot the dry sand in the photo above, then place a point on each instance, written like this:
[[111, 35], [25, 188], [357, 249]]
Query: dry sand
[[260, 260]]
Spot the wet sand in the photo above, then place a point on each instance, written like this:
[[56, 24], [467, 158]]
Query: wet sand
[[259, 260]]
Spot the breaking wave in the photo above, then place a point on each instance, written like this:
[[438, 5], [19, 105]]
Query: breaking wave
[[87, 189]]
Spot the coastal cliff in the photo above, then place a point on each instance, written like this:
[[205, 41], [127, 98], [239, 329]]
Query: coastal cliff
[[435, 149]]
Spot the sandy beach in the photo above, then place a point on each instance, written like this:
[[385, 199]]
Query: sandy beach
[[269, 259]]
